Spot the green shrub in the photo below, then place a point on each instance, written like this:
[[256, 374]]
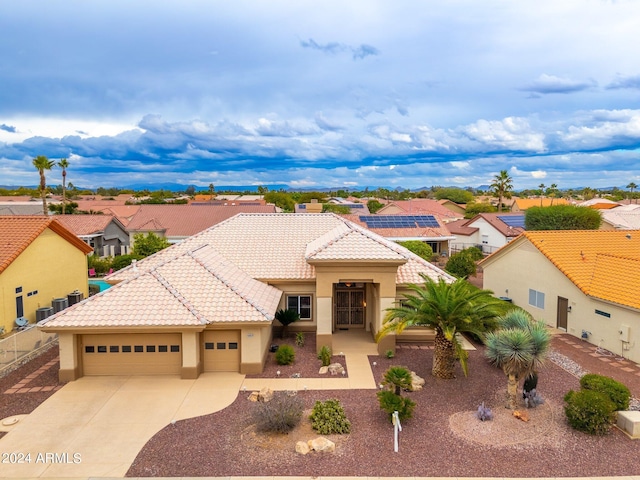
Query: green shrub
[[389, 354], [616, 391], [300, 339], [121, 261], [329, 417], [285, 355], [474, 252], [281, 414], [461, 265], [325, 356], [390, 402], [101, 265], [589, 411]]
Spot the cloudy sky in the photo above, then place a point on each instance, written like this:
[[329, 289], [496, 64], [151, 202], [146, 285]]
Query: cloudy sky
[[326, 93]]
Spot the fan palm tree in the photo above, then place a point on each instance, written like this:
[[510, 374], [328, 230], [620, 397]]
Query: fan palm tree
[[42, 163], [632, 186], [448, 308], [542, 186], [519, 348], [553, 190], [64, 164], [398, 379], [286, 318], [501, 186]]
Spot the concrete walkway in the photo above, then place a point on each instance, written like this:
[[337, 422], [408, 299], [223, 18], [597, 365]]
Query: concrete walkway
[[105, 422]]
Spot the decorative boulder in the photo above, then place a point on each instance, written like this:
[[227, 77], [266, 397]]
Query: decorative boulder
[[302, 448], [335, 369], [253, 396], [417, 382], [323, 370], [321, 444], [521, 415], [265, 394]]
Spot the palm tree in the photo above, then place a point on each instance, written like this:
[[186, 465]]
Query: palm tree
[[519, 348], [286, 318], [632, 186], [542, 186], [553, 189], [448, 308], [64, 164], [502, 186], [42, 163]]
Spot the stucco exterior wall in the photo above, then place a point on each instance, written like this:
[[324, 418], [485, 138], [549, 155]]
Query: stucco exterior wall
[[50, 266], [523, 268], [487, 233]]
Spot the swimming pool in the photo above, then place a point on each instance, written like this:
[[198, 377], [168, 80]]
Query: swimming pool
[[101, 283]]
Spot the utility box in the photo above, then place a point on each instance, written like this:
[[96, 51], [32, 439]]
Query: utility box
[[625, 333]]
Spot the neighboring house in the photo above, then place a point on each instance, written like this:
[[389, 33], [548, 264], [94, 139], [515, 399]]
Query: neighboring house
[[400, 228], [104, 233], [316, 207], [599, 204], [208, 303], [40, 260], [522, 204], [177, 222], [585, 282], [487, 231], [624, 217], [419, 206], [457, 208], [21, 208]]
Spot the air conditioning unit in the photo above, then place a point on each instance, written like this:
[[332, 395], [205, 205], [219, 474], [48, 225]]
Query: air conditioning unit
[[43, 313], [59, 304], [74, 297]]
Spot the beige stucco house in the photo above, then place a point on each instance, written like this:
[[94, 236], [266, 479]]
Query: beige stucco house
[[585, 282], [208, 303]]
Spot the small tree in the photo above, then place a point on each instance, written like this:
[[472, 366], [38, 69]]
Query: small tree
[[286, 318], [422, 249], [562, 217], [461, 265], [374, 205], [472, 209], [145, 245]]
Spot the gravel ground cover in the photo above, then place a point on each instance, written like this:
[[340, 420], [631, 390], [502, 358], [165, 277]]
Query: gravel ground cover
[[444, 439]]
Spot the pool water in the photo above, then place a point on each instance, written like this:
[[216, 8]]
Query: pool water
[[101, 283]]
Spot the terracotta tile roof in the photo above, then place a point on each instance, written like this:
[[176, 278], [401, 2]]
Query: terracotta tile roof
[[603, 264], [626, 217], [186, 220], [494, 220], [85, 224], [461, 227], [275, 246], [195, 288], [17, 232], [20, 208], [524, 203]]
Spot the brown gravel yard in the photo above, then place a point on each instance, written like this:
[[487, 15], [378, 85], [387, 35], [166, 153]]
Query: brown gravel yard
[[442, 440]]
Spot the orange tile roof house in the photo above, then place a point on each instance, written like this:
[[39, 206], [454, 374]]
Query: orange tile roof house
[[177, 222], [487, 231], [208, 302], [522, 204], [420, 206], [40, 260], [104, 233], [585, 282]]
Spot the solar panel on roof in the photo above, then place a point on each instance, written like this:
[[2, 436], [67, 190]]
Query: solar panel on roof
[[514, 221], [399, 221]]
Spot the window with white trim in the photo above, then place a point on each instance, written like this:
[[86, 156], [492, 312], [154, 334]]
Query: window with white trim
[[300, 304], [536, 299]]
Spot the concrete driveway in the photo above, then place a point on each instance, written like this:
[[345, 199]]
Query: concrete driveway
[[95, 426]]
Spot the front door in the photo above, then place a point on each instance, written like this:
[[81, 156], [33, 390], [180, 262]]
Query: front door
[[349, 308], [563, 309]]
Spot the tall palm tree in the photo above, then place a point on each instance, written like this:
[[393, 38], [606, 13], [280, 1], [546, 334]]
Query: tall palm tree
[[542, 186], [501, 186], [632, 186], [64, 164], [553, 190], [42, 163], [448, 308], [519, 348]]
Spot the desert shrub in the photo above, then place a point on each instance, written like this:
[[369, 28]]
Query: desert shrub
[[390, 402], [300, 339], [398, 379], [329, 417], [474, 252], [484, 413], [461, 265], [325, 356], [532, 399], [618, 393], [101, 265], [285, 355], [281, 414], [389, 354], [589, 411]]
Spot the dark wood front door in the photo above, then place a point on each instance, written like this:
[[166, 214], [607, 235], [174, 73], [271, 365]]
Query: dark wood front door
[[349, 309], [563, 309]]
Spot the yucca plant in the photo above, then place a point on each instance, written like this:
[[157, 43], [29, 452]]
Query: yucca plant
[[519, 348], [286, 318]]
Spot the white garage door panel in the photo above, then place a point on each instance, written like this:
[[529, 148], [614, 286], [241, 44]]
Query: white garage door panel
[[135, 354]]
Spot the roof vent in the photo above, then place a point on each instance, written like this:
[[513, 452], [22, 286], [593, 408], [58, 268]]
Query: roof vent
[[628, 235], [134, 265]]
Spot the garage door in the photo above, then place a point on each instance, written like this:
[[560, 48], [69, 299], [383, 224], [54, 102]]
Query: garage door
[[221, 351], [135, 354]]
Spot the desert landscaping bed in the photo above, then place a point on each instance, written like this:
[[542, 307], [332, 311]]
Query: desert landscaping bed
[[443, 439]]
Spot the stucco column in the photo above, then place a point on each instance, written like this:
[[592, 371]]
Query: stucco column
[[69, 362], [191, 363], [253, 343], [388, 342], [324, 318]]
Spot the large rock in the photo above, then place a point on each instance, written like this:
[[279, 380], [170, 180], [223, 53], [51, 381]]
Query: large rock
[[323, 370], [417, 382], [321, 444], [335, 369], [302, 448], [265, 394]]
